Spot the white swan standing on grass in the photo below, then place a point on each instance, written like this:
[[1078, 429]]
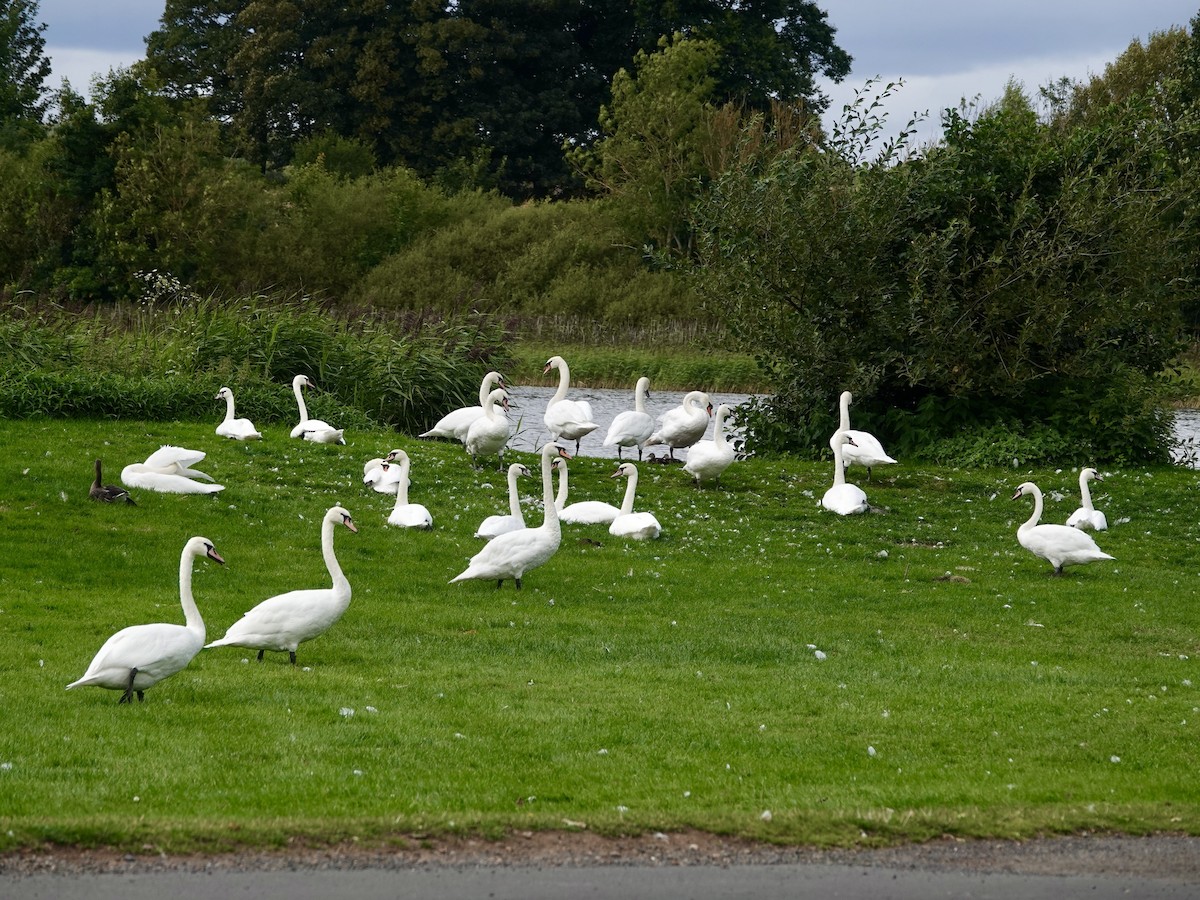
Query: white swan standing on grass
[[708, 459], [633, 427], [641, 526], [169, 471], [313, 429], [843, 499], [285, 621], [1059, 545], [570, 420], [496, 525], [405, 514], [230, 427], [865, 448], [681, 427], [139, 657], [586, 512], [1087, 516], [107, 493], [513, 554], [454, 424], [489, 433]]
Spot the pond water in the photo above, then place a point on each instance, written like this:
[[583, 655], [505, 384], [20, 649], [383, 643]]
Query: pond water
[[528, 405]]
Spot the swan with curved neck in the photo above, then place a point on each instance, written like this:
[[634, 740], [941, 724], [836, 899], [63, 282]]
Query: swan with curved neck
[[633, 427], [454, 425], [139, 657], [381, 478], [586, 512], [570, 420], [107, 493], [708, 459], [865, 449], [513, 554], [489, 433], [683, 426], [405, 514], [169, 470], [1087, 516], [494, 526], [231, 426], [843, 499], [1059, 545], [640, 526], [315, 430], [285, 621]]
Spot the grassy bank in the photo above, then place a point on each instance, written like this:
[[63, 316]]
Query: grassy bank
[[958, 688]]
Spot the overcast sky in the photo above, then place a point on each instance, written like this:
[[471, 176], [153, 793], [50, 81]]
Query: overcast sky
[[944, 50]]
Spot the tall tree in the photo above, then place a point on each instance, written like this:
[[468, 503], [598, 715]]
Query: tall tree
[[24, 66]]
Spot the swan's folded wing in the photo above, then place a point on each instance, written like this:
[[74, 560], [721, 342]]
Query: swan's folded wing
[[167, 456]]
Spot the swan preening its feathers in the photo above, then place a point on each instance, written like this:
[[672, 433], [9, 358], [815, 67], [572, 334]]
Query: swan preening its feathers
[[285, 621], [633, 427], [567, 419], [586, 512], [864, 448], [107, 493], [1087, 516], [169, 470], [312, 429], [1059, 545], [641, 526], [843, 499], [488, 434], [684, 425], [514, 553], [454, 424], [708, 459], [496, 525], [139, 657], [230, 427]]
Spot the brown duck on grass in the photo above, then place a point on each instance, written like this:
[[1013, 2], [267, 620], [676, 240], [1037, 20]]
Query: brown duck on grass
[[107, 493]]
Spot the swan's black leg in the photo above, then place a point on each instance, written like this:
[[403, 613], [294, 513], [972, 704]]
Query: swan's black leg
[[518, 581], [141, 696], [292, 656], [499, 583], [260, 655], [127, 697]]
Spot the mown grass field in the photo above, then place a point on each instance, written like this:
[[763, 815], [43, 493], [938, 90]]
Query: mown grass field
[[958, 689]]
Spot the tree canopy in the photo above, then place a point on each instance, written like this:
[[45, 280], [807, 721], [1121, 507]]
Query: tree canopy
[[24, 67]]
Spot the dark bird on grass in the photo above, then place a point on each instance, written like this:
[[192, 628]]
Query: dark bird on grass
[[108, 493]]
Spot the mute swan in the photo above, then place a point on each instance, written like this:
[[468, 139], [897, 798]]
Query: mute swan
[[586, 512], [139, 657], [455, 424], [107, 493], [382, 479], [641, 526], [313, 429], [1087, 516], [633, 427], [285, 621], [684, 425], [405, 514], [1059, 545], [489, 433], [513, 554], [169, 470], [238, 429], [493, 526], [571, 420], [708, 459], [865, 449], [843, 499]]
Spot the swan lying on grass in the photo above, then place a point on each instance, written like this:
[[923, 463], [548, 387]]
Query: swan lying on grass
[[169, 470], [1087, 516], [843, 499], [231, 427]]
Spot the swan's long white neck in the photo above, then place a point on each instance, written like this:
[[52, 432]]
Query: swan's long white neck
[[1085, 491], [191, 614], [630, 491], [1037, 507], [564, 382], [299, 400], [550, 520], [485, 388], [229, 406], [839, 465], [719, 430], [561, 500], [844, 424], [514, 500], [639, 395], [331, 563], [402, 484]]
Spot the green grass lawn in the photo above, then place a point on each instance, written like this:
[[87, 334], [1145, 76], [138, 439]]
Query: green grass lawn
[[628, 686]]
